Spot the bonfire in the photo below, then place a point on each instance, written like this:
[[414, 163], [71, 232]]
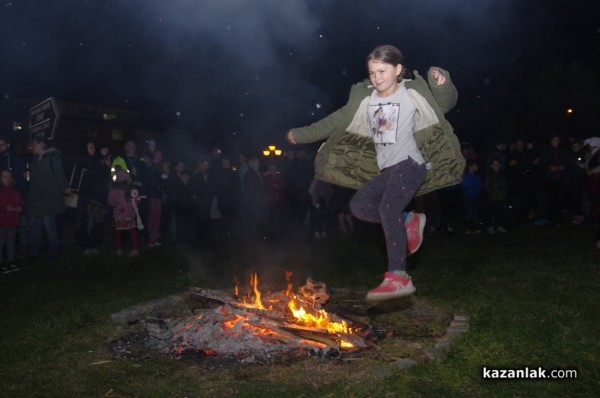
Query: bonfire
[[254, 326]]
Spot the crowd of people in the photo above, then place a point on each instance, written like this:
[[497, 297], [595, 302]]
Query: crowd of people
[[144, 199], [546, 184], [160, 200]]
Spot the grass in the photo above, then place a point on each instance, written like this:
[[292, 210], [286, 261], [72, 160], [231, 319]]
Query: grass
[[532, 295]]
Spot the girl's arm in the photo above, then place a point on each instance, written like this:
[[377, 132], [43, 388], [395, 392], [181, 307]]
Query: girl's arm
[[442, 88], [328, 125]]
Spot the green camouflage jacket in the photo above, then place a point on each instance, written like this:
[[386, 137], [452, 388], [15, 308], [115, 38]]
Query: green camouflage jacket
[[348, 157]]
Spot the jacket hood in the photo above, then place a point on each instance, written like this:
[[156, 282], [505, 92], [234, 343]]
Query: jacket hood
[[50, 152]]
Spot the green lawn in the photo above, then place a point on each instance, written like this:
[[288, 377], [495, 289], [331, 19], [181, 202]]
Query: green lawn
[[533, 297]]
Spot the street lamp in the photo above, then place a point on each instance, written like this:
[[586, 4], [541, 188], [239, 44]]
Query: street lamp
[[272, 151]]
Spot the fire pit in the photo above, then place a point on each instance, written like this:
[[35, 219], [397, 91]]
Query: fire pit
[[257, 327]]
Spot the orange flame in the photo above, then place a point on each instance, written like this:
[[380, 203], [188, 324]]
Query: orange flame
[[253, 300], [254, 281], [311, 319], [290, 286], [321, 320]]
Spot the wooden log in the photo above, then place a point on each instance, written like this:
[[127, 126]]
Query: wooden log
[[219, 296], [309, 334]]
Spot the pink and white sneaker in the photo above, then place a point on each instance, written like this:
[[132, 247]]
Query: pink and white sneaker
[[393, 286], [415, 225]]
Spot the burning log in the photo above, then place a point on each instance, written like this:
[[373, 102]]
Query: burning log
[[341, 340], [314, 292], [312, 334]]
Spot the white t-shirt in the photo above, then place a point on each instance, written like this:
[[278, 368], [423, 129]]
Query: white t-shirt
[[391, 122]]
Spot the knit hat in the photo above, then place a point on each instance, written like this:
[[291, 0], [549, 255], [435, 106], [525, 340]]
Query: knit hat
[[121, 175]]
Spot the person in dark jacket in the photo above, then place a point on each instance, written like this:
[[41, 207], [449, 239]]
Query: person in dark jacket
[[554, 161], [204, 187], [471, 190], [184, 208], [45, 199], [496, 189], [254, 195], [158, 176], [228, 194], [94, 173]]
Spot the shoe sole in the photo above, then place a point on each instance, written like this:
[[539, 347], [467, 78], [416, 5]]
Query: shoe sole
[[371, 297]]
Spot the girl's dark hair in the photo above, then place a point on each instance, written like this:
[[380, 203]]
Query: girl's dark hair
[[390, 55]]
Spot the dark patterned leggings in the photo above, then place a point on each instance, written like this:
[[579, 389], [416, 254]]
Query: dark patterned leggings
[[383, 199]]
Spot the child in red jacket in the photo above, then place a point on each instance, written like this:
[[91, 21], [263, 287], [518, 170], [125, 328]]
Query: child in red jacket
[[11, 205]]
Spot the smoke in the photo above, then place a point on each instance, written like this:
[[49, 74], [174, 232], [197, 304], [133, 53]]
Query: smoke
[[235, 66], [254, 68]]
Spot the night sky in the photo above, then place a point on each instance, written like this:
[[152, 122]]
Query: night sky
[[255, 68]]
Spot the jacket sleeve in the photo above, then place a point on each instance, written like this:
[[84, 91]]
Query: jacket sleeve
[[59, 173], [325, 127], [445, 95]]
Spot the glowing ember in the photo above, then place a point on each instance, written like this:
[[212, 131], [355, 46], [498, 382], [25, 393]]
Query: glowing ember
[[290, 285], [345, 344]]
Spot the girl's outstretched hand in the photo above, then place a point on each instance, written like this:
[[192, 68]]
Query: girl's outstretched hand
[[438, 76], [290, 137]]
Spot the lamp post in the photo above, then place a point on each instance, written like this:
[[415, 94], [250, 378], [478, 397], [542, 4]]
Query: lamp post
[[272, 151]]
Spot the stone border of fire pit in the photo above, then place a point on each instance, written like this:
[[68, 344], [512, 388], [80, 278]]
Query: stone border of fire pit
[[459, 326]]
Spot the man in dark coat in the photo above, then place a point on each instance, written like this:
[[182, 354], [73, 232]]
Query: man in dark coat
[[253, 193], [45, 199]]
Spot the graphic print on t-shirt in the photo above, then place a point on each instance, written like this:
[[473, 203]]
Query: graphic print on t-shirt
[[383, 119]]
